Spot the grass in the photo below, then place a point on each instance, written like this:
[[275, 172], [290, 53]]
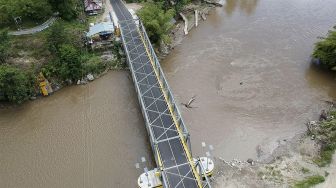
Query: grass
[[325, 158], [32, 45], [309, 181]]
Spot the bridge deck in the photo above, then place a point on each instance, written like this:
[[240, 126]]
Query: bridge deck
[[173, 155]]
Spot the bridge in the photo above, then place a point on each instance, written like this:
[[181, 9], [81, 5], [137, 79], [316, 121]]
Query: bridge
[[169, 137]]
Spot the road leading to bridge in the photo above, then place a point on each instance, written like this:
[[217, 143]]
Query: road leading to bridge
[[164, 125]]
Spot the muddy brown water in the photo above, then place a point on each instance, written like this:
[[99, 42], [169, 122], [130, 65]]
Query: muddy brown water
[[248, 66], [82, 136]]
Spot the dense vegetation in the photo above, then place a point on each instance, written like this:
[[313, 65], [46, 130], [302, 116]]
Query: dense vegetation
[[157, 18], [36, 10], [16, 85], [68, 9], [156, 21], [325, 50]]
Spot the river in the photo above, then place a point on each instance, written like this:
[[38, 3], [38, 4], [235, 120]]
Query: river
[[248, 66]]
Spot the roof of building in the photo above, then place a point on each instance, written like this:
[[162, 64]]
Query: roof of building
[[92, 5], [101, 28]]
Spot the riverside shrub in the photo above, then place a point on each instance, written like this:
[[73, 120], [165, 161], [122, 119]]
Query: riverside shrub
[[325, 50], [15, 85]]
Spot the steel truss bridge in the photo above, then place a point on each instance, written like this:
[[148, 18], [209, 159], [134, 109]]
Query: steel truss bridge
[[169, 137]]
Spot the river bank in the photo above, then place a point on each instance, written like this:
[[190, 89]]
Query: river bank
[[293, 163], [186, 22]]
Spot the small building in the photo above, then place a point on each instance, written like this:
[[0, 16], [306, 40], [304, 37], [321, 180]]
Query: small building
[[100, 34], [93, 7]]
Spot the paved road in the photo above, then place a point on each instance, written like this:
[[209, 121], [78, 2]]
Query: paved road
[[36, 29], [178, 170]]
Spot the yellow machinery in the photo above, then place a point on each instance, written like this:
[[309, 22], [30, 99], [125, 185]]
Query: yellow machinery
[[44, 85]]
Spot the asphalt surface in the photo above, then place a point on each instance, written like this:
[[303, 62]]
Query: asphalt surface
[[178, 171]]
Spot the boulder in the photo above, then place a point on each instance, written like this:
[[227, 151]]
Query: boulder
[[90, 77], [250, 161]]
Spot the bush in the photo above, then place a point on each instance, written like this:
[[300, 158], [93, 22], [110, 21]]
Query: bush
[[4, 45], [56, 37], [92, 64], [70, 65], [309, 182], [156, 21], [325, 50], [15, 85]]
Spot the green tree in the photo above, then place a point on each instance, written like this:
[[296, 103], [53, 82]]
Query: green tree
[[325, 50], [15, 85], [68, 9], [4, 13], [70, 63], [35, 10], [57, 37], [156, 21], [4, 45]]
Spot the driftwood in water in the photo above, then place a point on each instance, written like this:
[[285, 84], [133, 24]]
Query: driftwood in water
[[188, 105], [185, 19]]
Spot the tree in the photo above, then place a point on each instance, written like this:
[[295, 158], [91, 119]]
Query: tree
[[4, 45], [66, 8], [70, 63], [4, 13], [325, 50], [15, 85], [156, 21], [35, 10], [57, 37]]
